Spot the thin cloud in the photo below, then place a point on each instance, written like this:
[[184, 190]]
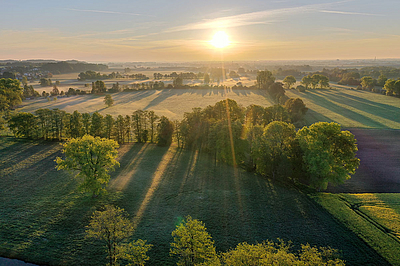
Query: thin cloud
[[259, 17], [106, 12], [348, 13]]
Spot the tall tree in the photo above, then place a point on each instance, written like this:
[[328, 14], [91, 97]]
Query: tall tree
[[289, 81], [153, 119], [165, 132], [368, 82], [272, 150], [306, 81], [265, 79], [193, 244], [75, 125], [296, 108], [113, 228], [108, 100], [10, 93], [93, 158], [23, 125], [109, 126], [329, 153], [96, 128]]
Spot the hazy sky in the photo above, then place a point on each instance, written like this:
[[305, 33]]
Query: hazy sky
[[160, 30]]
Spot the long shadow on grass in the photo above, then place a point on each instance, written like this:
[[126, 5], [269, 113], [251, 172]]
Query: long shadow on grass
[[322, 101], [382, 110], [249, 209]]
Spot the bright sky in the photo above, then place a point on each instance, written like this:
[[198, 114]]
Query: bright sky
[[160, 30]]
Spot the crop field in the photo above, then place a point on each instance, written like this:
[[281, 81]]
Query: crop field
[[375, 218], [43, 216]]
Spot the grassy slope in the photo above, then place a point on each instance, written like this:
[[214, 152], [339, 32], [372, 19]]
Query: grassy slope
[[373, 217], [43, 217]]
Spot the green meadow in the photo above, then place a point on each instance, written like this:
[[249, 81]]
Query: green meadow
[[43, 216]]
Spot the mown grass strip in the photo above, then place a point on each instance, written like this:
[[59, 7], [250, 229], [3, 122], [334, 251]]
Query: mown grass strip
[[373, 234]]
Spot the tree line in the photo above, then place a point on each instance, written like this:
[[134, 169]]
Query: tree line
[[192, 245], [114, 75], [141, 126]]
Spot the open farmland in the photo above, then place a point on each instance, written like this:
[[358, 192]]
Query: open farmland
[[172, 103], [43, 216]]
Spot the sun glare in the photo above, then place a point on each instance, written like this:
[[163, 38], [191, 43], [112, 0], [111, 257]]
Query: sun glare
[[220, 39]]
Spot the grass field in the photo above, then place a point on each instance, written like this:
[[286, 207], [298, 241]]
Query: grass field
[[351, 108], [172, 103], [375, 218], [43, 216]]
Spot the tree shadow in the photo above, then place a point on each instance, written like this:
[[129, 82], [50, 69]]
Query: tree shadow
[[318, 99]]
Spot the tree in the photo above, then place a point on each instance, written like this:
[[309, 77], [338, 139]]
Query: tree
[[153, 118], [108, 100], [315, 80], [265, 79], [10, 93], [165, 132], [206, 78], [306, 81], [381, 80], [75, 125], [368, 82], [296, 108], [193, 244], [289, 81], [329, 154], [323, 81], [272, 150], [270, 253], [112, 227], [135, 252], [55, 91], [389, 86], [98, 86], [93, 158], [96, 128], [178, 82], [23, 125]]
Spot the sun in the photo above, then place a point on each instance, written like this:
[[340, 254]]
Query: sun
[[220, 39]]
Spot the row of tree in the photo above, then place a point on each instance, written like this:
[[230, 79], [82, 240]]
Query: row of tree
[[192, 245], [141, 126], [114, 75]]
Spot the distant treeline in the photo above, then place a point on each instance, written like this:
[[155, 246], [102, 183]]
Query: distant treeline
[[65, 67], [114, 75]]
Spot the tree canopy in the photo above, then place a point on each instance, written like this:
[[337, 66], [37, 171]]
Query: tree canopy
[[93, 158], [329, 153], [10, 93], [192, 243]]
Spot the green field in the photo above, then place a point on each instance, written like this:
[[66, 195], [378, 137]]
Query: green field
[[351, 108], [172, 103], [43, 216], [375, 218]]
